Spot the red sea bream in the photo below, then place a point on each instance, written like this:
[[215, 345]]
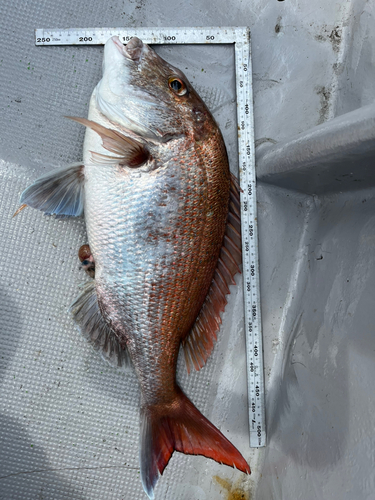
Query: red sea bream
[[162, 216]]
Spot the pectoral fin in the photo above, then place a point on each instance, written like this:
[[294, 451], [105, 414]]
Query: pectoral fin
[[60, 192], [130, 152]]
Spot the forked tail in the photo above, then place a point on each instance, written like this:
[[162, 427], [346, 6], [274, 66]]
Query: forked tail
[[180, 426]]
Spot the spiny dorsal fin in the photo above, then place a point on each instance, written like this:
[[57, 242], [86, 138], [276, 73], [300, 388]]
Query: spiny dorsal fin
[[87, 315], [130, 152], [60, 192], [199, 344]]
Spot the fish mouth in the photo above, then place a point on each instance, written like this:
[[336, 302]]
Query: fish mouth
[[133, 50], [123, 94]]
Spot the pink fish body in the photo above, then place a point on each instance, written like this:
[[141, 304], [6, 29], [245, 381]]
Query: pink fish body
[[162, 216]]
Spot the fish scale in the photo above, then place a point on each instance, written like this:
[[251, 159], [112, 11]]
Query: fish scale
[[134, 285]]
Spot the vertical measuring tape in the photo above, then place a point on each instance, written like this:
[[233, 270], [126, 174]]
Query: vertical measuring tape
[[249, 235], [240, 37]]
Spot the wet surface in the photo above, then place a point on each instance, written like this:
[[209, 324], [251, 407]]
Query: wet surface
[[232, 491]]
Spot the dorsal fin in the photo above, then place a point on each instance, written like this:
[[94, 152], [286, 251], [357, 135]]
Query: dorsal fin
[[130, 152], [199, 344], [87, 315]]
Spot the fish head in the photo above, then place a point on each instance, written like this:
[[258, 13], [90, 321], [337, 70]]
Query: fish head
[[143, 93]]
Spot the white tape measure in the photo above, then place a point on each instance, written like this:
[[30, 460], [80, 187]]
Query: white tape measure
[[240, 37]]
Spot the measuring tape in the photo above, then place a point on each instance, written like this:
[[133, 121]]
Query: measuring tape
[[240, 37]]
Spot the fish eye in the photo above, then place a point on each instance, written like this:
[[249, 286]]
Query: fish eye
[[177, 86]]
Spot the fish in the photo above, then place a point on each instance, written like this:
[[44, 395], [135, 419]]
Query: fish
[[162, 213]]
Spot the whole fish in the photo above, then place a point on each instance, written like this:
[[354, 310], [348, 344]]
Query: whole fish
[[162, 217]]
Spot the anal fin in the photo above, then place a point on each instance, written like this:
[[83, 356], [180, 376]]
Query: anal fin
[[87, 315], [199, 344]]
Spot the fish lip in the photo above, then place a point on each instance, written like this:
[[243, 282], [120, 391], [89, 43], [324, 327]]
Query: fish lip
[[132, 51], [116, 40]]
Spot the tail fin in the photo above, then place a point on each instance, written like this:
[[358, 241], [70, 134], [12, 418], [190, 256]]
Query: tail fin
[[180, 426]]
